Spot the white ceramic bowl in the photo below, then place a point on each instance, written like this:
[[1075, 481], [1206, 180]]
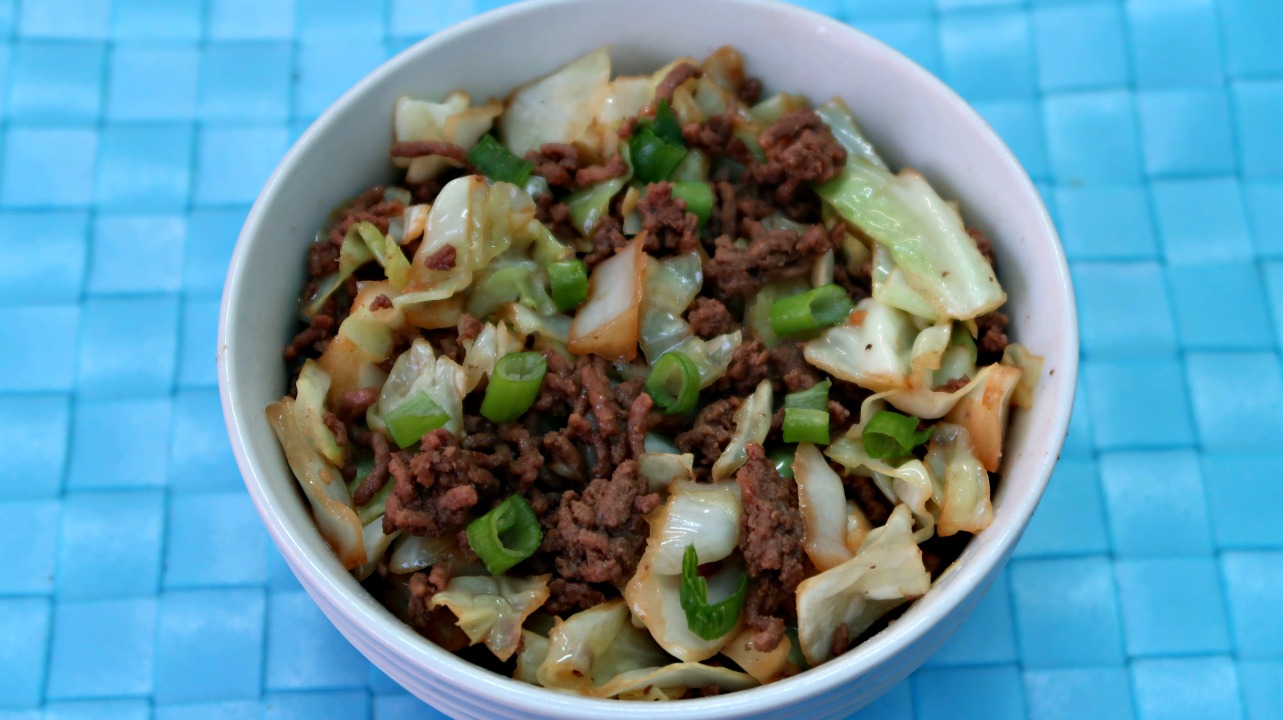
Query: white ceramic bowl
[[912, 118]]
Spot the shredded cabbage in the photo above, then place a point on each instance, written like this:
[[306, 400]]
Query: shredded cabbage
[[886, 572], [873, 353], [492, 609], [452, 120], [311, 388], [493, 342], [822, 501], [965, 505], [419, 369], [752, 423], [328, 495], [846, 130], [940, 261], [558, 108]]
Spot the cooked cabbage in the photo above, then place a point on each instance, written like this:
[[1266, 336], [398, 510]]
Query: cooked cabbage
[[493, 342], [558, 108], [752, 423], [872, 350], [324, 488], [492, 609], [940, 261], [983, 412], [452, 120], [964, 505], [417, 370], [822, 501], [886, 572]]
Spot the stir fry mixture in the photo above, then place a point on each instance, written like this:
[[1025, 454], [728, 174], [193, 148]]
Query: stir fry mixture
[[648, 387]]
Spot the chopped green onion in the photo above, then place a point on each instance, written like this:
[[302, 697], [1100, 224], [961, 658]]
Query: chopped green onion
[[818, 308], [653, 157], [806, 414], [782, 457], [666, 125], [709, 621], [795, 649], [698, 197], [506, 535], [497, 162], [414, 417], [892, 435], [815, 397], [513, 386], [569, 280], [802, 425], [674, 383]]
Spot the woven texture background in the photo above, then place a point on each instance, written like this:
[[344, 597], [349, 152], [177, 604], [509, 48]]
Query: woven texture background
[[135, 577]]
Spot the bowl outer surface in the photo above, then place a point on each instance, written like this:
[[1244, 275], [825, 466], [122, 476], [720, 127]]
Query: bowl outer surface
[[913, 119]]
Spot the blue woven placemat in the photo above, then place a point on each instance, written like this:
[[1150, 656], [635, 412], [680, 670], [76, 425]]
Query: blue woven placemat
[[135, 577]]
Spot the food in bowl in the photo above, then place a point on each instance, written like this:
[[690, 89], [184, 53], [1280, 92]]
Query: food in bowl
[[646, 387]]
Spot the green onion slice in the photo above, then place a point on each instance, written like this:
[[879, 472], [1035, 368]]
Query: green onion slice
[[892, 435], [513, 386], [413, 417], [506, 535], [497, 162], [569, 279], [709, 621], [666, 125], [674, 383], [782, 458], [814, 309], [698, 197], [653, 158], [803, 425], [806, 414]]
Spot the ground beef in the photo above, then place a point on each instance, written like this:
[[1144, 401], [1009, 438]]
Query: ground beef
[[555, 215], [770, 255], [598, 399], [711, 431], [322, 259], [529, 459], [568, 596], [443, 259], [675, 77], [424, 148], [784, 365], [598, 537], [771, 543], [561, 387], [354, 403], [670, 228], [709, 318], [362, 210], [555, 162], [992, 328], [954, 385], [607, 237], [593, 174], [841, 640], [725, 218], [437, 487], [639, 424], [983, 244], [800, 149], [379, 473], [712, 135], [380, 302], [561, 456], [469, 327], [313, 338], [751, 91]]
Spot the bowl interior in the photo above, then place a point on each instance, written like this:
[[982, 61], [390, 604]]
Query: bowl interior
[[913, 119]]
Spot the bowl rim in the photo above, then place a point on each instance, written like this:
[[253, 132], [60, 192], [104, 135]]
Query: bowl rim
[[400, 641]]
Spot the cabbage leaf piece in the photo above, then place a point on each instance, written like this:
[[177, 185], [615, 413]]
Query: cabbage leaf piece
[[598, 652], [965, 505], [420, 370], [322, 485], [822, 501], [752, 423], [706, 515], [311, 389], [911, 483], [493, 609], [493, 342], [559, 107], [886, 572], [363, 342], [453, 120], [927, 240]]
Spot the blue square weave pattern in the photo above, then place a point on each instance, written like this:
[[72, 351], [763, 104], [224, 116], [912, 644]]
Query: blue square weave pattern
[[138, 581]]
